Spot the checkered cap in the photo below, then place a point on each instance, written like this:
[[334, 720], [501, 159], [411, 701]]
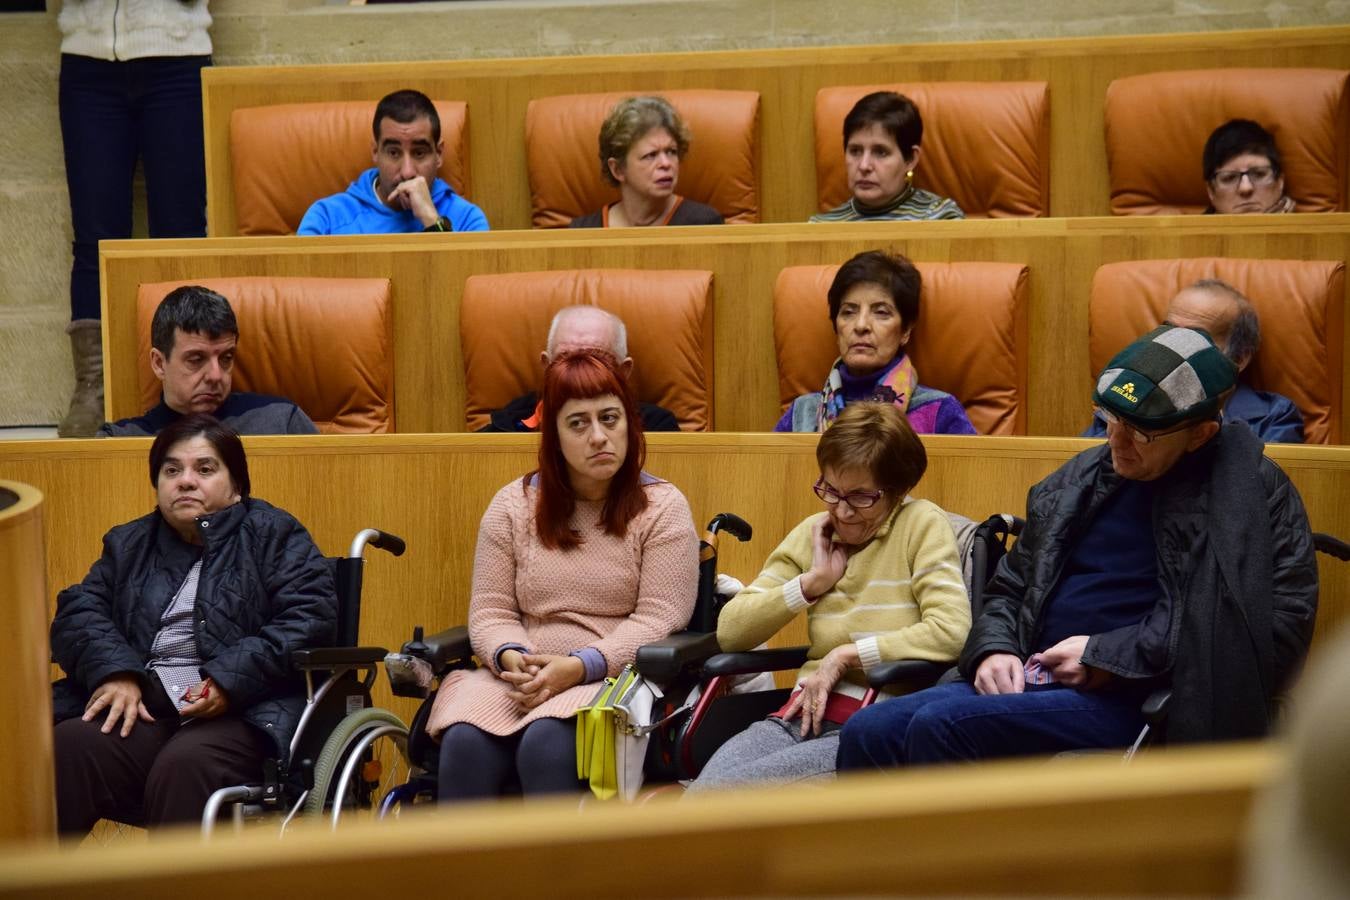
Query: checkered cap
[[1168, 376]]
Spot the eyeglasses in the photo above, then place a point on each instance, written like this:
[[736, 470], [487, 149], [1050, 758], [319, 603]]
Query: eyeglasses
[[857, 500], [1229, 179], [1140, 437]]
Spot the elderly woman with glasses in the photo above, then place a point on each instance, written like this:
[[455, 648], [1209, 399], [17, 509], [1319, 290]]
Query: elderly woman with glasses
[[1243, 172], [877, 575]]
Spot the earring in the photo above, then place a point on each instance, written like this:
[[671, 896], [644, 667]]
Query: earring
[[909, 176]]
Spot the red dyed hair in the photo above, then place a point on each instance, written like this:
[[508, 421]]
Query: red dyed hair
[[584, 375]]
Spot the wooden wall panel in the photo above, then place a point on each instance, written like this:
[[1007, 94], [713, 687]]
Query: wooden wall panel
[[498, 91], [431, 490], [950, 831], [27, 785], [428, 274]]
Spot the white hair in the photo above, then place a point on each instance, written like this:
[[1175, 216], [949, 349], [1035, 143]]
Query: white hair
[[620, 348]]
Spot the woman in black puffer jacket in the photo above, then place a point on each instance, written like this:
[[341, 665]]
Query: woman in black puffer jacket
[[177, 644]]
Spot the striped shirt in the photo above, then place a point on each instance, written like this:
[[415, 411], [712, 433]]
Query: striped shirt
[[901, 596], [913, 204], [174, 657]]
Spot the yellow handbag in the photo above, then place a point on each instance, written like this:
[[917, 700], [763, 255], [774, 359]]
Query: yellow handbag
[[612, 734]]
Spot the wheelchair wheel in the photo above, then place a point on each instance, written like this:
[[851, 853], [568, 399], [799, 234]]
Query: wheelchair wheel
[[364, 758]]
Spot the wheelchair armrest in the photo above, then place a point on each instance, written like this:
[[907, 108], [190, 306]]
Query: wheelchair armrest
[[916, 673], [446, 649], [328, 658], [1155, 707], [664, 660], [751, 661]]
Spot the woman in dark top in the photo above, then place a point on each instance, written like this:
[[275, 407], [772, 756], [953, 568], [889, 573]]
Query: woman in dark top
[[177, 644], [641, 145]]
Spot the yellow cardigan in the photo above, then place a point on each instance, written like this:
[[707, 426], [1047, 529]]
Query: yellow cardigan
[[901, 596]]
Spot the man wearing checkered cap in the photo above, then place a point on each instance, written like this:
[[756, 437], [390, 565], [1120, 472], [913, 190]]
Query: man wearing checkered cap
[[1174, 555]]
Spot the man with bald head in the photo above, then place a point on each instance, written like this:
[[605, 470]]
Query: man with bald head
[[580, 328], [1228, 317]]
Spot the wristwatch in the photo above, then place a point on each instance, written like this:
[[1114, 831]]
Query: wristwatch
[[441, 224]]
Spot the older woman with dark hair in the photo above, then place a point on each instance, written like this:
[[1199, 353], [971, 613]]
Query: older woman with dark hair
[[878, 577], [578, 564], [1243, 173], [177, 644], [874, 305], [642, 143], [881, 151]]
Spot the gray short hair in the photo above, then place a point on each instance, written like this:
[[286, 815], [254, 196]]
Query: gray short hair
[[620, 348], [1245, 337], [629, 121]]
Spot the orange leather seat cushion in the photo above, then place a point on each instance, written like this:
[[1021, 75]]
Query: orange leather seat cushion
[[504, 321], [1157, 125], [562, 151], [986, 145], [326, 344], [970, 340], [288, 156], [1300, 304]]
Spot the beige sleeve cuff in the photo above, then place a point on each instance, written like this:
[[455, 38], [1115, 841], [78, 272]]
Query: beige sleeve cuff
[[869, 654], [794, 598]]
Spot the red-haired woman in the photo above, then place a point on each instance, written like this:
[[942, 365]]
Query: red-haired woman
[[578, 564]]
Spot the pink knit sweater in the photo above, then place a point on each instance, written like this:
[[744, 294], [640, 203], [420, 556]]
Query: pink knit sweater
[[613, 594]]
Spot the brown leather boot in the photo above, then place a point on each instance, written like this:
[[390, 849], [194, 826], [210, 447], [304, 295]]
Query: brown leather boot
[[86, 404]]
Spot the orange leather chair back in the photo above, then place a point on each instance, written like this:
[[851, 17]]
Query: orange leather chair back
[[504, 321], [326, 344], [985, 144], [562, 152], [1157, 125], [286, 157], [970, 340], [1301, 306]]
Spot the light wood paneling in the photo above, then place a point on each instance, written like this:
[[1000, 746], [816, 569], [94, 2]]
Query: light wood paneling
[[498, 91], [428, 274], [27, 789], [957, 830], [431, 490]]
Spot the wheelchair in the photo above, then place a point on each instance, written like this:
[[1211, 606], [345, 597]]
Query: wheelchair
[[675, 663], [346, 753]]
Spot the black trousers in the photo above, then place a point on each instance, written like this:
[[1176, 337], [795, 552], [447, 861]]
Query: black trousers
[[160, 774]]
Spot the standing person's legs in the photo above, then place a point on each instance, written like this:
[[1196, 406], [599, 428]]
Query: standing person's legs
[[770, 751], [98, 135], [103, 776], [474, 765], [546, 759], [953, 722], [203, 756], [167, 94]]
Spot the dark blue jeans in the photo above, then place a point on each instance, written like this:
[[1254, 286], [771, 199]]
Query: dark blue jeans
[[952, 722], [113, 113]]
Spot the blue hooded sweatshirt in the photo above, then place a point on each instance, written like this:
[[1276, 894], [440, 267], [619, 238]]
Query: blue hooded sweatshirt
[[360, 211]]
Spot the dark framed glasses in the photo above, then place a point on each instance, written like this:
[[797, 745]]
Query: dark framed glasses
[[857, 500]]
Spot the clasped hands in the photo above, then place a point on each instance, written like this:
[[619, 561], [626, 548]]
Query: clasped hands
[[537, 677], [121, 697], [1004, 673]]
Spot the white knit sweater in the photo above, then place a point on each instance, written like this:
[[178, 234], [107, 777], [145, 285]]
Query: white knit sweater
[[134, 29]]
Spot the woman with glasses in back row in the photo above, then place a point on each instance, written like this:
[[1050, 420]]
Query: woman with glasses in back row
[[878, 576], [1243, 172]]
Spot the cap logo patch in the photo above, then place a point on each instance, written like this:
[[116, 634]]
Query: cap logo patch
[[1125, 390]]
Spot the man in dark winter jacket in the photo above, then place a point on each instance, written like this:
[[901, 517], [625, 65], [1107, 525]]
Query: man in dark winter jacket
[[579, 328], [193, 339], [1174, 555]]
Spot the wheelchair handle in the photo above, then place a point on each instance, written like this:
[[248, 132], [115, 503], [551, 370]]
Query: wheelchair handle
[[376, 538], [732, 524]]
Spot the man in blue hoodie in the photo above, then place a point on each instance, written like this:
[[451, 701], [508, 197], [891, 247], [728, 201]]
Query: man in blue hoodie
[[401, 193]]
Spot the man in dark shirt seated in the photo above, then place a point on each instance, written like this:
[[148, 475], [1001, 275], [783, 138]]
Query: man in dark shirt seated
[[1173, 555], [193, 337], [580, 328], [1228, 316]]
